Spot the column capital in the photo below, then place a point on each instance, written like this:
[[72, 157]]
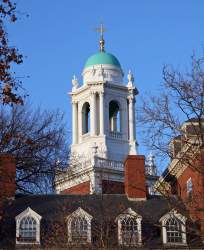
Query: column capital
[[131, 98], [74, 101], [93, 92]]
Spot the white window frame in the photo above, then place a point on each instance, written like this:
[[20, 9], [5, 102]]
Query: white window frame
[[83, 214], [189, 186], [129, 213], [173, 214], [28, 213]]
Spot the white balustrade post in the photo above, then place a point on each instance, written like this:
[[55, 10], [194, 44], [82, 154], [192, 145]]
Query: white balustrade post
[[93, 114], [131, 119], [101, 113], [74, 123]]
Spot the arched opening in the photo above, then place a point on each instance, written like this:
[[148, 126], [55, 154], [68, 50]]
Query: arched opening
[[28, 229], [114, 117], [173, 231], [79, 229], [129, 231], [85, 118]]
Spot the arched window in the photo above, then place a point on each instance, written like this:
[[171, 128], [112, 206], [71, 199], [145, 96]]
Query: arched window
[[85, 118], [114, 117], [173, 228], [129, 228], [129, 231], [173, 231], [79, 227], [28, 227], [189, 187], [28, 230]]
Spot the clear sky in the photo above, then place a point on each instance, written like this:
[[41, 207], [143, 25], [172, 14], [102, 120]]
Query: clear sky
[[59, 36]]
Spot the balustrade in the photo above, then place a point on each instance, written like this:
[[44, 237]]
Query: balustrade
[[115, 134]]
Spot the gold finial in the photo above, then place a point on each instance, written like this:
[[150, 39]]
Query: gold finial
[[101, 30]]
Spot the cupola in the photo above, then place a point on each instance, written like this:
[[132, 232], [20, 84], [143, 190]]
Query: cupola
[[102, 66]]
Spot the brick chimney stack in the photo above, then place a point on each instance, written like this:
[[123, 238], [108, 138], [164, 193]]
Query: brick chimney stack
[[135, 180], [7, 177]]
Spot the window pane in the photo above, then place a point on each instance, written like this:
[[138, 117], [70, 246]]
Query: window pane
[[173, 230], [129, 231], [27, 230], [79, 228]]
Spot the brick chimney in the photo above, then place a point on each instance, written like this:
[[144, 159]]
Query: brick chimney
[[135, 181], [7, 176]]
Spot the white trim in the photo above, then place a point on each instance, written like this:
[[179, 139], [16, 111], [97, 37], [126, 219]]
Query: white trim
[[129, 213], [137, 199], [28, 213], [79, 213], [176, 168], [173, 214]]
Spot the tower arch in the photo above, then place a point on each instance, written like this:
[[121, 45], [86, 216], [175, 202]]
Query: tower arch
[[104, 109], [85, 118], [114, 116]]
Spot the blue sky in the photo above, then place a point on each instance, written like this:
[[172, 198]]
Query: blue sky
[[59, 36]]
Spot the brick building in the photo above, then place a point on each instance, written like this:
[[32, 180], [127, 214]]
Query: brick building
[[184, 176], [105, 198], [93, 221]]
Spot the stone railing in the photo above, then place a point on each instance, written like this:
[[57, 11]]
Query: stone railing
[[115, 134], [149, 170], [108, 164], [84, 164], [85, 136]]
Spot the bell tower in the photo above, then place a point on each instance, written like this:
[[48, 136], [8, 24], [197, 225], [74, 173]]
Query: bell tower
[[103, 124]]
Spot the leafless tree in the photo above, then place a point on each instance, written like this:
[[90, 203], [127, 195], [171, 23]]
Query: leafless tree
[[181, 98], [38, 141], [173, 125]]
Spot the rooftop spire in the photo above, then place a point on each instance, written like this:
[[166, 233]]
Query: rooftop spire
[[101, 30]]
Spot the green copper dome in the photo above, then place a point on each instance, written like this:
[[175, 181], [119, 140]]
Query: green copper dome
[[102, 58]]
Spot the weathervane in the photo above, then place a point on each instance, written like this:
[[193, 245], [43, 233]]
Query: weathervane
[[101, 30]]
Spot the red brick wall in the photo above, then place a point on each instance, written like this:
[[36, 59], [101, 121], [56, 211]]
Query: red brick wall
[[135, 180], [7, 176], [112, 187], [82, 188], [196, 202], [7, 179], [197, 181]]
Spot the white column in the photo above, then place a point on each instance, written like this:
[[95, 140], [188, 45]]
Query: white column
[[131, 119], [93, 114], [79, 123], [124, 119], [101, 113], [74, 123]]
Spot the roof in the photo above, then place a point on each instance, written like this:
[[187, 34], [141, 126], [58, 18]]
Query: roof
[[102, 58], [49, 206], [55, 209], [194, 119]]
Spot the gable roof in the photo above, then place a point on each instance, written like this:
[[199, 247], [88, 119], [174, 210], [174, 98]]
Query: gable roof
[[28, 212]]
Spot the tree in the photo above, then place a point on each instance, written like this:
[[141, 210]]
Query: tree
[[9, 84], [38, 141], [174, 127], [181, 99]]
